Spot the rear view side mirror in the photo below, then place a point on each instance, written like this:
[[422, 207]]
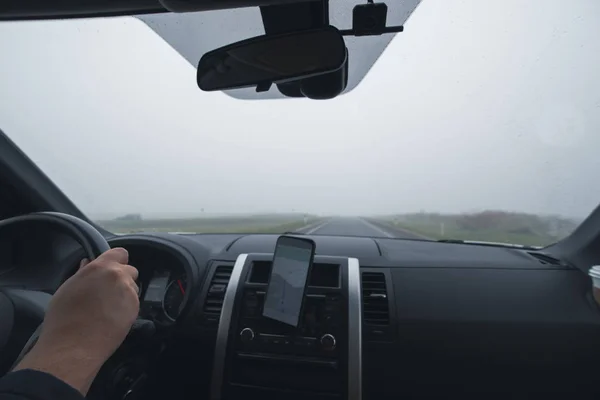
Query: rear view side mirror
[[264, 60]]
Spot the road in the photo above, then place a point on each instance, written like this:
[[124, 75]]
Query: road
[[357, 227]]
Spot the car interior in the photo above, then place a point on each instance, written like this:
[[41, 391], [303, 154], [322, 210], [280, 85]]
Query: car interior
[[382, 318]]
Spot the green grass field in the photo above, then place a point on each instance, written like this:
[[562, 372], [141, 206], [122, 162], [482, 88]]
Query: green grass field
[[491, 226], [234, 224]]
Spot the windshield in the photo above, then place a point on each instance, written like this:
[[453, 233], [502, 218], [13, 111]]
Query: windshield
[[481, 121]]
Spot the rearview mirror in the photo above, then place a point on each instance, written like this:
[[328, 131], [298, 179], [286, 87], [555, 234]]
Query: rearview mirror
[[264, 60]]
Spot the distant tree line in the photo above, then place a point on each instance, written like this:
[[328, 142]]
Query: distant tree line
[[129, 217]]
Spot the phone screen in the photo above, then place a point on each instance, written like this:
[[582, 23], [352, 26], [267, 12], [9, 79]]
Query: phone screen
[[289, 274]]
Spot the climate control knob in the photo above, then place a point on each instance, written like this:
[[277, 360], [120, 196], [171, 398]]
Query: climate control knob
[[247, 335], [328, 342]]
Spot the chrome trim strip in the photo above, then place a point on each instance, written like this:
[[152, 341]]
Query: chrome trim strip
[[354, 330], [223, 330]]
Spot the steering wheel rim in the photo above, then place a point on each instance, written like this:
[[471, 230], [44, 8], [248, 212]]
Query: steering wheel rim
[[84, 233]]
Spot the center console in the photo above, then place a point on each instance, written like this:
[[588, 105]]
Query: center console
[[318, 359]]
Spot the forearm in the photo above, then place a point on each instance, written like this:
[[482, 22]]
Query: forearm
[[75, 367]]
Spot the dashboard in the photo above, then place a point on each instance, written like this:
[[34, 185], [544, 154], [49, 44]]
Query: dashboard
[[408, 318], [435, 318]]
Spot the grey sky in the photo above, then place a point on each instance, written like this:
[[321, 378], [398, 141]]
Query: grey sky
[[477, 105]]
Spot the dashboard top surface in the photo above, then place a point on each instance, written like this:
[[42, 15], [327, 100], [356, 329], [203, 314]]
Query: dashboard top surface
[[381, 251]]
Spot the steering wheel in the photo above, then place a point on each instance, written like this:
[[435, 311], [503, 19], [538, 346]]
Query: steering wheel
[[93, 244]]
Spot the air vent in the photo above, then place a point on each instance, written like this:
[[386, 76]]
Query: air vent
[[322, 274], [376, 310], [216, 292]]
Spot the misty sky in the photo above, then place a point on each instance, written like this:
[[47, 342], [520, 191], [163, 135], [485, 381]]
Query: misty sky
[[477, 105]]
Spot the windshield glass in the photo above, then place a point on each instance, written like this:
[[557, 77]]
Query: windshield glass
[[479, 122]]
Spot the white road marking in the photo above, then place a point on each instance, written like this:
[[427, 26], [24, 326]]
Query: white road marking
[[378, 229], [316, 228]]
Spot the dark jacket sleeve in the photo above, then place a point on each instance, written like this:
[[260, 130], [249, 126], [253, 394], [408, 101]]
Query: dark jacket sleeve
[[28, 384]]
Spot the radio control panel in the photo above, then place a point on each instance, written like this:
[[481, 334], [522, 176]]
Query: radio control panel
[[316, 336]]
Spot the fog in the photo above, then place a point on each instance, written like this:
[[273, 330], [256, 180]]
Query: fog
[[477, 105]]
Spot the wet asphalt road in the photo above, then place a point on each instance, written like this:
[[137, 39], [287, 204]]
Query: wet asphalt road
[[354, 226]]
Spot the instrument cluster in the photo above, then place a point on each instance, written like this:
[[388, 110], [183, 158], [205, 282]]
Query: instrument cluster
[[161, 297]]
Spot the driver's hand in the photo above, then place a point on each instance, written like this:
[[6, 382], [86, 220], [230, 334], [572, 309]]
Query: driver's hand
[[89, 316]]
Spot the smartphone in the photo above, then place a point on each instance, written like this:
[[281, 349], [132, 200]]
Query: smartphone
[[292, 263]]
